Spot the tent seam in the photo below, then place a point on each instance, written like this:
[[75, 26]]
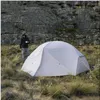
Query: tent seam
[[41, 57], [61, 63]]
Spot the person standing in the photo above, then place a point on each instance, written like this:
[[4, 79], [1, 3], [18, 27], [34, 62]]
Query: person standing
[[24, 46]]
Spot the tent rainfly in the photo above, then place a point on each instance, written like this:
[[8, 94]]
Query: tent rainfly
[[55, 58]]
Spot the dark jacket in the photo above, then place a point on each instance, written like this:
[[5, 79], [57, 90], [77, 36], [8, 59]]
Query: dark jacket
[[24, 42]]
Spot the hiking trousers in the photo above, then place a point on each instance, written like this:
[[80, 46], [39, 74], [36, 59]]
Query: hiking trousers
[[25, 53]]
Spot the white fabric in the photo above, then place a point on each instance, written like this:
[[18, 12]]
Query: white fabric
[[33, 61], [55, 58], [83, 63]]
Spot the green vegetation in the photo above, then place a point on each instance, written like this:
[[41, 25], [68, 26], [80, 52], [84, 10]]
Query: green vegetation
[[82, 88], [18, 85]]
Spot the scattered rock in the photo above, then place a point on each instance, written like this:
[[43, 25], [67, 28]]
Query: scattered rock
[[40, 17]]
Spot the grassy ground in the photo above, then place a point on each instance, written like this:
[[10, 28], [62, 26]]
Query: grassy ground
[[18, 85]]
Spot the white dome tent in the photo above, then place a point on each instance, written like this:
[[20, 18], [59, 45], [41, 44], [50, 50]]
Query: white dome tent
[[55, 58]]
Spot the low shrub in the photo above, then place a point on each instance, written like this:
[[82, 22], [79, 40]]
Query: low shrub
[[54, 90], [22, 86], [79, 88], [9, 95], [16, 59], [6, 83], [8, 71]]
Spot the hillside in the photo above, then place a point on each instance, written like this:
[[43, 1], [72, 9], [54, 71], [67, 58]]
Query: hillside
[[18, 85], [71, 21]]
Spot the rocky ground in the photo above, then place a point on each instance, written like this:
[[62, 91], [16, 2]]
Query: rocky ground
[[51, 20]]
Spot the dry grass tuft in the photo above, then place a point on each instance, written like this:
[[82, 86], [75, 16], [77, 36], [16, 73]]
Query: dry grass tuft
[[81, 88]]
